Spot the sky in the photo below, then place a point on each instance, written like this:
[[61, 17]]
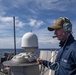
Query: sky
[[35, 16]]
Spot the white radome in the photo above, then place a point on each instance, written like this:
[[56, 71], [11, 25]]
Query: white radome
[[29, 42]]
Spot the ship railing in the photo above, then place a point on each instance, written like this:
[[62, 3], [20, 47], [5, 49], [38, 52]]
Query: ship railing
[[49, 55]]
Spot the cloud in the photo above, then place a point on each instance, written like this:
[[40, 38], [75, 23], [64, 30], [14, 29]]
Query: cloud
[[6, 43], [5, 23], [2, 9], [74, 28], [9, 43], [35, 5], [5, 19], [61, 5], [36, 8], [45, 39], [35, 23], [8, 21], [38, 13], [19, 23], [6, 26]]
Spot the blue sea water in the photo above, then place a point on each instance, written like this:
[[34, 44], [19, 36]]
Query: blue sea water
[[2, 51]]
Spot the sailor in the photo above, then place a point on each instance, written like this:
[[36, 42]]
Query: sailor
[[65, 63]]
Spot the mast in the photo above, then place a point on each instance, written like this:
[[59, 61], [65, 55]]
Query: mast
[[14, 35]]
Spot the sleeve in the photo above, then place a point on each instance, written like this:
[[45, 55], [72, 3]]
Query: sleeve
[[51, 65], [74, 56]]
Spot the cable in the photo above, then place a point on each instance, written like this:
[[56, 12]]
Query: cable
[[53, 63], [43, 69]]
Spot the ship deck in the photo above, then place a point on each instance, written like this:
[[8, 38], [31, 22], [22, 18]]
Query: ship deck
[[46, 54]]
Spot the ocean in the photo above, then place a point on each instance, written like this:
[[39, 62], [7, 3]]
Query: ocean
[[2, 51]]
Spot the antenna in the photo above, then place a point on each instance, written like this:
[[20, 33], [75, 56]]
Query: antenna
[[31, 30], [14, 35]]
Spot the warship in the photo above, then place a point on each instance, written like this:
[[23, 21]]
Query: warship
[[25, 63]]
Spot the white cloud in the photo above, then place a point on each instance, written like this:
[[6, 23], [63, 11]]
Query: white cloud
[[2, 9], [6, 43], [6, 26], [19, 23], [61, 5], [35, 23], [6, 19], [74, 28], [45, 39], [6, 22], [9, 43], [35, 7], [53, 41], [17, 3]]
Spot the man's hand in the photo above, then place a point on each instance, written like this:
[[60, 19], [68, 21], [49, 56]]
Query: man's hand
[[39, 60]]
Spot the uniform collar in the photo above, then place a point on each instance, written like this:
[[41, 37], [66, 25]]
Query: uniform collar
[[69, 41]]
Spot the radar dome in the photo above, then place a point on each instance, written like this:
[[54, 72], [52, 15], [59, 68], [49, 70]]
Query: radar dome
[[29, 42]]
